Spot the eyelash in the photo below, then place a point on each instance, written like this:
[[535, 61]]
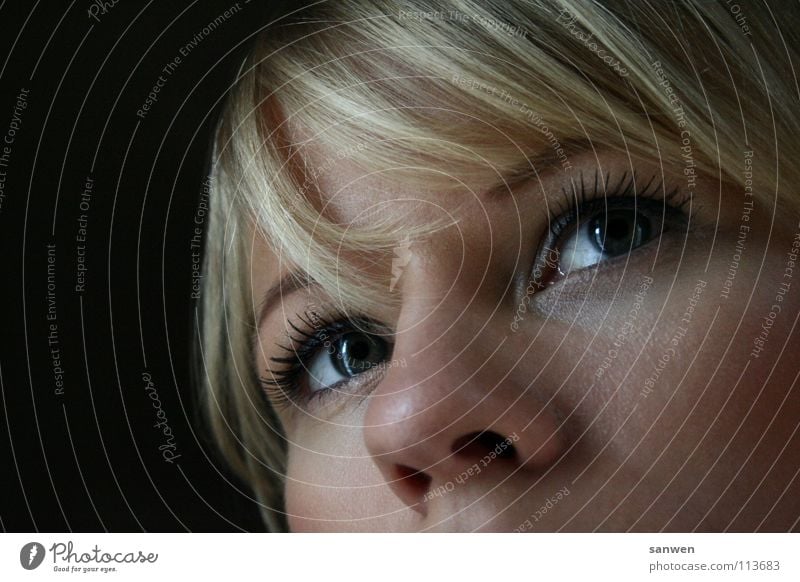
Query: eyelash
[[568, 211], [282, 386]]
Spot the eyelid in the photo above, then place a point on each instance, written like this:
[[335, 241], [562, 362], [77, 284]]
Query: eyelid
[[288, 285]]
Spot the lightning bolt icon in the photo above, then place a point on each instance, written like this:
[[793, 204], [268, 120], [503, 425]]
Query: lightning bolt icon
[[32, 555], [402, 258]]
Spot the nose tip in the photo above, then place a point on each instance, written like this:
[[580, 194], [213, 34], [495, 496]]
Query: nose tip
[[422, 456], [413, 486], [416, 487]]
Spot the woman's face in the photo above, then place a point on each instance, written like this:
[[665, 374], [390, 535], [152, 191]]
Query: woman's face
[[554, 362]]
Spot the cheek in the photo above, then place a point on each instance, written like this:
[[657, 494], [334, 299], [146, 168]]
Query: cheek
[[333, 485], [667, 385]]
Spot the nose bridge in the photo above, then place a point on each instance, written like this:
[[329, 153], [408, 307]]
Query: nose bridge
[[444, 358], [455, 383], [443, 328], [451, 288], [447, 331]]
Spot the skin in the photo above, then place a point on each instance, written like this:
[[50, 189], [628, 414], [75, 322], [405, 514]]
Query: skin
[[713, 445]]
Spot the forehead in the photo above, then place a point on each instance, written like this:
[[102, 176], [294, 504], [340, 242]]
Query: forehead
[[350, 195]]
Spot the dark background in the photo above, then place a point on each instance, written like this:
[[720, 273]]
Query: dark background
[[88, 459]]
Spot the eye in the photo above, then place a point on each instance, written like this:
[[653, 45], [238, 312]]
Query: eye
[[605, 223], [324, 354], [345, 357], [605, 235]]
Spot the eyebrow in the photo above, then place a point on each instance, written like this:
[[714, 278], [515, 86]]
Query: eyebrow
[[542, 161], [286, 285]]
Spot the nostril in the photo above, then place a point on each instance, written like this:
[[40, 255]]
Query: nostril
[[478, 444], [413, 477], [413, 485]]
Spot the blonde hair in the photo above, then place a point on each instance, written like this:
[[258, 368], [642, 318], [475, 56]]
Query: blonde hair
[[458, 92]]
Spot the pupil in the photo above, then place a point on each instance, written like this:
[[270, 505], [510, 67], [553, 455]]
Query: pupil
[[619, 231], [358, 352]]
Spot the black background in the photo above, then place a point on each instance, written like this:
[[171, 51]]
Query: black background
[[89, 459]]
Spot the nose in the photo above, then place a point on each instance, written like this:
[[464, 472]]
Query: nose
[[461, 411]]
